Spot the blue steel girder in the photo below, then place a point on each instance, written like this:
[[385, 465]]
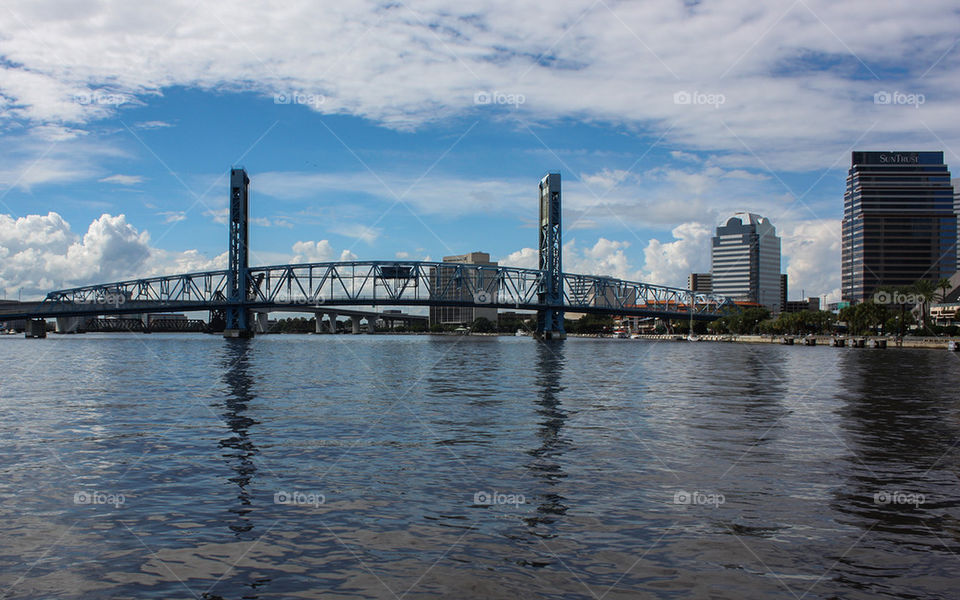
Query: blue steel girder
[[400, 283], [180, 287], [550, 259]]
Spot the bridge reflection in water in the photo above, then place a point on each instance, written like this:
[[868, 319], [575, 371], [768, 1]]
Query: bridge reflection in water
[[545, 458], [238, 449]]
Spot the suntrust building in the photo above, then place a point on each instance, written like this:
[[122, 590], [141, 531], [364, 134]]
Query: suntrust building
[[899, 224]]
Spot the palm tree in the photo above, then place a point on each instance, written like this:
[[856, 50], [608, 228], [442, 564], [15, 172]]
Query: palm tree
[[864, 318], [897, 294], [874, 315], [944, 286], [925, 291]]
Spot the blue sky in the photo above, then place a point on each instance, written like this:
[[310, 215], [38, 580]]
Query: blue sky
[[366, 132]]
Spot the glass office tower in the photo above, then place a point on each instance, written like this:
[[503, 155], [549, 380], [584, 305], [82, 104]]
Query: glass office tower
[[745, 260], [899, 224]]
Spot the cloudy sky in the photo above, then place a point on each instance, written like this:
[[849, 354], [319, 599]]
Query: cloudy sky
[[419, 129]]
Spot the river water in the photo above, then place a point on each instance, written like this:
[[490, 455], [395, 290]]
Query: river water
[[189, 466]]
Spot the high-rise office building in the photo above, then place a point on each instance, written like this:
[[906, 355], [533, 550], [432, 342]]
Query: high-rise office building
[[443, 278], [745, 261], [956, 211], [899, 224], [700, 283], [783, 292]]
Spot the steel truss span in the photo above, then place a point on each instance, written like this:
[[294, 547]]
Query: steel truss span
[[386, 283]]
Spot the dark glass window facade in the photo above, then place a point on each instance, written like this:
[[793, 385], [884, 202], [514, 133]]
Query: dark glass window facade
[[899, 224], [745, 260]]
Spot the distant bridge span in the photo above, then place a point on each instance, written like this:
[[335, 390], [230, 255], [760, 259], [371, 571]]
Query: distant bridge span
[[316, 287], [241, 291]]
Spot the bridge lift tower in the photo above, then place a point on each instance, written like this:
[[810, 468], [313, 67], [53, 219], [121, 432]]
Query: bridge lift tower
[[237, 315], [550, 320]]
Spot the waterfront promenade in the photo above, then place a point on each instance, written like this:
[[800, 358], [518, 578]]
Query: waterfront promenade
[[820, 340]]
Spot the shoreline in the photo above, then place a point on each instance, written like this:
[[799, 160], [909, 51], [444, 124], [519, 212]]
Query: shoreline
[[846, 341], [818, 340]]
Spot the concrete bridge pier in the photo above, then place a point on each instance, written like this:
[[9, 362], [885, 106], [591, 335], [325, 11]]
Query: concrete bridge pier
[[260, 324], [35, 328], [331, 328], [247, 331], [355, 323], [371, 324], [69, 324]]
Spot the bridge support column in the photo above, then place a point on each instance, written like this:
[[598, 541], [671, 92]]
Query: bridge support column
[[550, 320], [238, 333], [371, 324], [35, 328], [237, 315], [69, 324], [355, 322], [260, 324], [333, 321]]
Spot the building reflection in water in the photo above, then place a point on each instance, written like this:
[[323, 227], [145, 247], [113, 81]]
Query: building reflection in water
[[545, 458], [897, 422], [895, 417], [238, 449]]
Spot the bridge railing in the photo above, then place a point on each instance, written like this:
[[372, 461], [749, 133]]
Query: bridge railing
[[397, 283], [420, 282], [203, 287], [623, 296]]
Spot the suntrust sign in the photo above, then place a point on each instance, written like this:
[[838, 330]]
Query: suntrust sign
[[900, 158]]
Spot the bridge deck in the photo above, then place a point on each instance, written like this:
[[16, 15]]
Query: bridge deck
[[319, 287]]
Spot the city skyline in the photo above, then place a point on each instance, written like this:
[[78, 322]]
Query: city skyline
[[498, 299], [344, 168]]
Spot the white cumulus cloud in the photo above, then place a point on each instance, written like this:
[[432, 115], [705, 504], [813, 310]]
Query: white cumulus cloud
[[604, 257], [322, 251], [812, 250], [41, 253], [802, 72], [669, 263], [524, 258], [304, 252]]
